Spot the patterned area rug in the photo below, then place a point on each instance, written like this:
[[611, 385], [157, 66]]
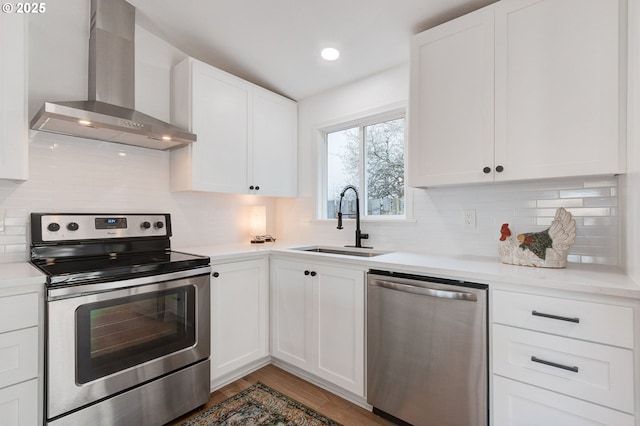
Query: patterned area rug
[[260, 405]]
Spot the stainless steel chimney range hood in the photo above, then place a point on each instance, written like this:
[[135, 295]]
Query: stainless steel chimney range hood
[[109, 113]]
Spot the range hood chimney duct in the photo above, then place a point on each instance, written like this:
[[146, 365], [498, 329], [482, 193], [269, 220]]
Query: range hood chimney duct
[[109, 113]]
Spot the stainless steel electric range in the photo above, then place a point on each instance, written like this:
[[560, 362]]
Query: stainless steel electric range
[[127, 319]]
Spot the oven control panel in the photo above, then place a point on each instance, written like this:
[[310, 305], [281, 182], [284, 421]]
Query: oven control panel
[[56, 227]]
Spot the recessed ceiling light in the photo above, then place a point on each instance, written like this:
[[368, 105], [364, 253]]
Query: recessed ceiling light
[[84, 122], [330, 54], [166, 138]]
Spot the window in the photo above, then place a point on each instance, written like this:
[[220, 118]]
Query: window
[[369, 155]]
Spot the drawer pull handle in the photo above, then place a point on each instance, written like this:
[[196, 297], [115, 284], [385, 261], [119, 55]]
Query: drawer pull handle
[[556, 317], [553, 364]]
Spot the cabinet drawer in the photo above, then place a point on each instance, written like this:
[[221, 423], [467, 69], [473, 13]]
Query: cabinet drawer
[[18, 312], [18, 356], [565, 317], [601, 374], [518, 404], [19, 404]]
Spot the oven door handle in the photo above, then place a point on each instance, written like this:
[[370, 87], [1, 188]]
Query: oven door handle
[[58, 293]]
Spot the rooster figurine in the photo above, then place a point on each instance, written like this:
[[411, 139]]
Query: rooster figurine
[[546, 249]]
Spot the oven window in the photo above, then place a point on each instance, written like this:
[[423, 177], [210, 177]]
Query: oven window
[[116, 334]]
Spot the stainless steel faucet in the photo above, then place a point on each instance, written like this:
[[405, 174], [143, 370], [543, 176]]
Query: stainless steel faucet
[[359, 235]]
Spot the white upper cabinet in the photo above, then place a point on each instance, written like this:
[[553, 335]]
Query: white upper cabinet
[[273, 155], [558, 88], [14, 127], [246, 135], [521, 89], [451, 102]]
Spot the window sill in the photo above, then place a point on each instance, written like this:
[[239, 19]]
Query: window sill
[[368, 220]]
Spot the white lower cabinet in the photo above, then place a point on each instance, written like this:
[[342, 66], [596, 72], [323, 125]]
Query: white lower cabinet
[[20, 357], [562, 360], [317, 321], [589, 371], [239, 318], [519, 404], [18, 404]]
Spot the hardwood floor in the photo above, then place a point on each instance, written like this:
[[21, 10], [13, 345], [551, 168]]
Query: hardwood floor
[[304, 392]]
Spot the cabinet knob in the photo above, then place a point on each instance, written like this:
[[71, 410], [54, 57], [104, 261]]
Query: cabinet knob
[[215, 275], [499, 169], [313, 273], [257, 188], [487, 170], [251, 188], [307, 272]]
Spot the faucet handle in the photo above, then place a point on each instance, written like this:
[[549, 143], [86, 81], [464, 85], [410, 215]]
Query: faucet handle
[[364, 236]]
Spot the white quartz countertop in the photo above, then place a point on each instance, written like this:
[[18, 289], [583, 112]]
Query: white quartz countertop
[[19, 274], [598, 279], [585, 278]]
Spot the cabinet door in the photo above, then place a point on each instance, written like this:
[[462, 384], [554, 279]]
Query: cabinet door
[[291, 312], [18, 356], [451, 102], [18, 404], [239, 315], [338, 329], [220, 119], [517, 404], [557, 88], [14, 136], [273, 154]]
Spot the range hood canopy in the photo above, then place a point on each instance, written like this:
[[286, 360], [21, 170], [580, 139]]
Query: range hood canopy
[[109, 113]]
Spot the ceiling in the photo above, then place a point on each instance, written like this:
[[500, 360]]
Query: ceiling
[[276, 43]]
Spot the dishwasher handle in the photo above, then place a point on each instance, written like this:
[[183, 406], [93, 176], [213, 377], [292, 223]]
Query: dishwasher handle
[[425, 291]]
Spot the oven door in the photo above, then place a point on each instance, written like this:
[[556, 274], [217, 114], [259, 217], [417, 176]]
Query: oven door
[[105, 338]]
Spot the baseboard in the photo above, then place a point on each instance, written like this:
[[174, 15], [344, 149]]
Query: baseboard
[[231, 377], [311, 378]]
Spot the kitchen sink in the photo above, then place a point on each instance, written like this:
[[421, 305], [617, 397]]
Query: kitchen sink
[[344, 251]]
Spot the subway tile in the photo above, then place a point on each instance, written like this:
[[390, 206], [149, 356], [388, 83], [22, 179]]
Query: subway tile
[[12, 239], [566, 203], [600, 221], [15, 230], [600, 183], [594, 211], [585, 192], [535, 212], [600, 202], [15, 248]]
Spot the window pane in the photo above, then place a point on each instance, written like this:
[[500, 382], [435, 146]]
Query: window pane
[[342, 170], [384, 168]]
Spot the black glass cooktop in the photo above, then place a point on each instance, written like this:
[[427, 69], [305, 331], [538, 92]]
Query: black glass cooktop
[[75, 271]]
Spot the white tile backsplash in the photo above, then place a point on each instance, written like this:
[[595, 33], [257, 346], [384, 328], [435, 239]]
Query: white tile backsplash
[[81, 175], [438, 228], [71, 174]]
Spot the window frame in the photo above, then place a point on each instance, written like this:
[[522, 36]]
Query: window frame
[[360, 121]]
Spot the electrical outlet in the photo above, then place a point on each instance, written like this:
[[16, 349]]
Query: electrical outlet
[[469, 218]]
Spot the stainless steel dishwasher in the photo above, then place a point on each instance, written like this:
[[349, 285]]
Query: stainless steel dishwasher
[[427, 358]]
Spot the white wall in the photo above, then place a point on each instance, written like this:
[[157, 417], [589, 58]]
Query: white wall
[[72, 174], [527, 206]]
